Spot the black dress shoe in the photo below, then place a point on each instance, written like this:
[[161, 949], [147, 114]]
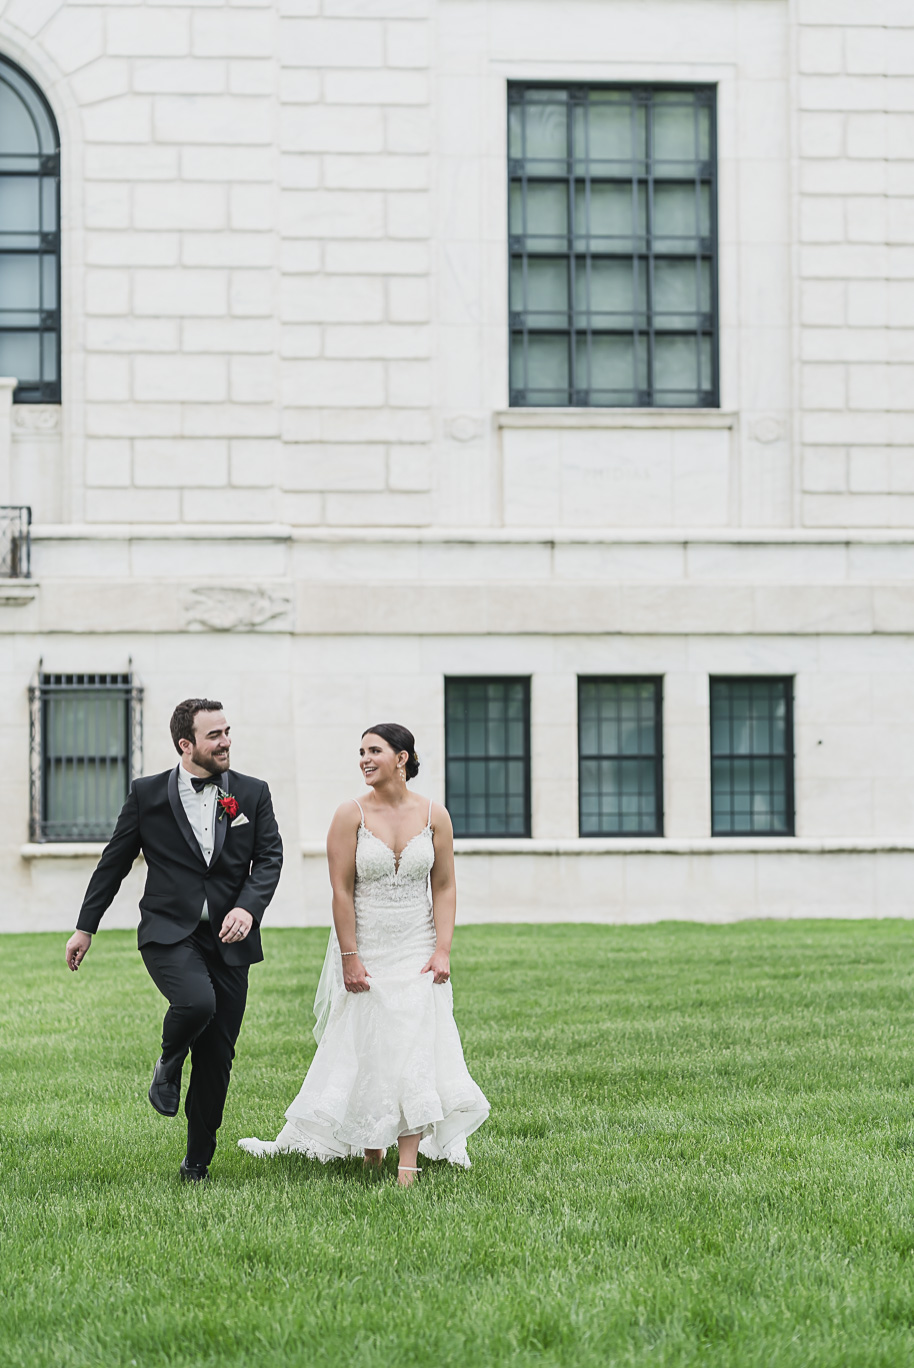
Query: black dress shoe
[[193, 1173], [163, 1094]]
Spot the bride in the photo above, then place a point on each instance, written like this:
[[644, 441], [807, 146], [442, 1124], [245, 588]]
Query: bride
[[389, 1064]]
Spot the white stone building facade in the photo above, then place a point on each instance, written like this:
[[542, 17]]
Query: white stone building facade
[[286, 469]]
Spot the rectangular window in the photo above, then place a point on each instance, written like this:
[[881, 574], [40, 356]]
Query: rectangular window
[[613, 245], [86, 739], [620, 766], [752, 757], [487, 746]]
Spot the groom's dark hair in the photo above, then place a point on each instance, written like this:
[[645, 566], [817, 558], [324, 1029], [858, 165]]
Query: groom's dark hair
[[182, 719]]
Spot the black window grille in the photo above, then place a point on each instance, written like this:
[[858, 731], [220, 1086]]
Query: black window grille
[[613, 245], [29, 239], [752, 757], [15, 541], [620, 765], [87, 743], [487, 745]]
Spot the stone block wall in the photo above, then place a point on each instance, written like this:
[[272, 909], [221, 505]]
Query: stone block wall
[[285, 272], [246, 258], [855, 115]]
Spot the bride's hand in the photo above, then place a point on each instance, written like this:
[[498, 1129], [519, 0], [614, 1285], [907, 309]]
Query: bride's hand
[[355, 975], [439, 965]]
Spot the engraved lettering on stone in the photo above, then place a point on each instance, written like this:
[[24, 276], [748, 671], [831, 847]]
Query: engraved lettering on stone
[[222, 608]]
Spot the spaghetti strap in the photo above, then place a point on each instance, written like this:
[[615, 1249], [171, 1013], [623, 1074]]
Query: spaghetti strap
[[359, 806], [429, 822]]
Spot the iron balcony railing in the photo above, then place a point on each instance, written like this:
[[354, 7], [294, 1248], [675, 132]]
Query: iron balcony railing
[[15, 542]]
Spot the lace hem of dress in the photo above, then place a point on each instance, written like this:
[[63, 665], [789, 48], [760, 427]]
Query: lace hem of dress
[[294, 1138]]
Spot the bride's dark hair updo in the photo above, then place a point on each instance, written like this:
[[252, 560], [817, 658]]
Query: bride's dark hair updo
[[399, 739]]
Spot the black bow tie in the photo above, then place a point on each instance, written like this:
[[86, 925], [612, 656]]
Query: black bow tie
[[200, 784]]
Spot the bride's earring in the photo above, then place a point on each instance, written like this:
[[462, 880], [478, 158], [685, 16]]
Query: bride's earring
[[402, 774]]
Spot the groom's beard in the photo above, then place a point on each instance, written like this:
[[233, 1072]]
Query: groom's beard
[[215, 765]]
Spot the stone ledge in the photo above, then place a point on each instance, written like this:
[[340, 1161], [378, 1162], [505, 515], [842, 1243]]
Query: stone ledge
[[163, 532], [559, 536], [717, 845], [18, 593]]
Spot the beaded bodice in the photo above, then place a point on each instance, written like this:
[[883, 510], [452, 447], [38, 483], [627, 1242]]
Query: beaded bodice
[[393, 910], [380, 876]]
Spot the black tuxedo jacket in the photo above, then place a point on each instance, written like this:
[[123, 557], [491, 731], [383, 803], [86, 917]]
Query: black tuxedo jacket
[[244, 872]]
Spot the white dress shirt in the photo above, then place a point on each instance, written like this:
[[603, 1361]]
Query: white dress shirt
[[201, 813]]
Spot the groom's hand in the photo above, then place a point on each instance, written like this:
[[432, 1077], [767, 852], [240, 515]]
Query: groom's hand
[[236, 926], [77, 947]]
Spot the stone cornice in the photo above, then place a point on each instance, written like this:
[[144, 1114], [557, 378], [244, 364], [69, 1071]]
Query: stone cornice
[[541, 536]]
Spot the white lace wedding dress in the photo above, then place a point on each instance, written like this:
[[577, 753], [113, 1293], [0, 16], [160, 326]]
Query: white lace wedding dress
[[389, 1062]]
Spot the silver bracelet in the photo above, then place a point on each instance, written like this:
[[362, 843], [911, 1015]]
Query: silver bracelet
[[344, 953]]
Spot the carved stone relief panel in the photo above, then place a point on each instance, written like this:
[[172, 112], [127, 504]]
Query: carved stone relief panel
[[229, 608], [29, 419]]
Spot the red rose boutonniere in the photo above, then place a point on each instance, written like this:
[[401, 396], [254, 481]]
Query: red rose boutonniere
[[228, 804]]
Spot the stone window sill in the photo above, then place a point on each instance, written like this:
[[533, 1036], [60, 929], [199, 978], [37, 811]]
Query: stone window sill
[[650, 419], [654, 845], [62, 850]]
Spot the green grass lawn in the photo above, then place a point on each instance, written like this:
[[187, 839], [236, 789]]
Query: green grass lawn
[[701, 1151]]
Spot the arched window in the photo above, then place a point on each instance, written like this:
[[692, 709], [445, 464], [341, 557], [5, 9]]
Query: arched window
[[29, 239]]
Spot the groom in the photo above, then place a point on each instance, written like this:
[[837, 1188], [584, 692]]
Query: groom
[[213, 855]]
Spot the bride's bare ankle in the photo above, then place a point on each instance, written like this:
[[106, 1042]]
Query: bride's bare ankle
[[374, 1158], [407, 1159]]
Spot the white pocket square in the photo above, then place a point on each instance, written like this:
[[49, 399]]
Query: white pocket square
[[240, 820]]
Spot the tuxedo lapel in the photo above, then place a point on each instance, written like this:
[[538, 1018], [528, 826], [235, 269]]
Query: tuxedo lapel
[[180, 816], [222, 821]]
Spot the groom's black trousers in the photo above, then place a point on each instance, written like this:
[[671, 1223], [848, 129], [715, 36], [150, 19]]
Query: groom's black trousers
[[207, 998]]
